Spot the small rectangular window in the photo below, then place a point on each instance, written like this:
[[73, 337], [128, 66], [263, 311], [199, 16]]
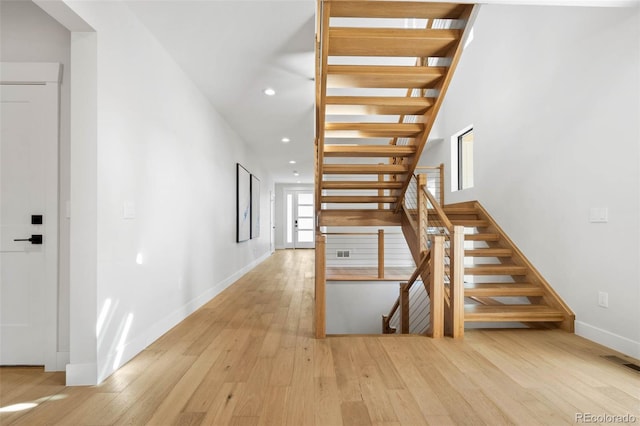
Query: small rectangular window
[[462, 160], [465, 160]]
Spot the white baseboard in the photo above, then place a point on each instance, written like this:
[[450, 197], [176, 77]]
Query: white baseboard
[[82, 374], [116, 359], [614, 341]]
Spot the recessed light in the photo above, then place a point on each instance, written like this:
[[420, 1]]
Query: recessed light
[[298, 181], [295, 173], [285, 140], [269, 91], [292, 162]]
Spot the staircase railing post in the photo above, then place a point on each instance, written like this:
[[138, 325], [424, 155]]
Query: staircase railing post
[[404, 308], [380, 253], [320, 287], [436, 287], [441, 169], [457, 282], [422, 211]]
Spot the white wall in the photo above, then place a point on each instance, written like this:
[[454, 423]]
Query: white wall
[[28, 34], [553, 95], [165, 155]]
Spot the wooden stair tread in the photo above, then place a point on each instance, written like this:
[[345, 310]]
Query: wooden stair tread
[[469, 223], [367, 169], [383, 76], [381, 105], [369, 150], [452, 210], [502, 289], [372, 130], [520, 313], [497, 269], [482, 237], [396, 9], [391, 42], [357, 199], [488, 252], [333, 184]]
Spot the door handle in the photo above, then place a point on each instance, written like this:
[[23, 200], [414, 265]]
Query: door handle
[[35, 239]]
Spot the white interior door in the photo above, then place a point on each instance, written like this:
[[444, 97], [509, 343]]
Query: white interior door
[[300, 219], [28, 250]]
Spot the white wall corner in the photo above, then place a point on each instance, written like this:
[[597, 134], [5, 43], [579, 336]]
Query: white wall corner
[[62, 359], [611, 340], [82, 374]]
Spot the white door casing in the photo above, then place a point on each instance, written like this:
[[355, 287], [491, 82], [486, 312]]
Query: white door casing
[[29, 121], [299, 219]]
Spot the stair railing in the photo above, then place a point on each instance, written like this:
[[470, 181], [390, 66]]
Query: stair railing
[[435, 180], [429, 220], [366, 256], [436, 222], [426, 300]]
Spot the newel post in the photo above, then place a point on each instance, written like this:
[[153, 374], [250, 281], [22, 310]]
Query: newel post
[[436, 287], [380, 253], [320, 281], [457, 282], [404, 308]]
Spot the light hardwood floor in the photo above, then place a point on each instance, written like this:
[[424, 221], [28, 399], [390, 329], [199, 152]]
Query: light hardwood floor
[[248, 357]]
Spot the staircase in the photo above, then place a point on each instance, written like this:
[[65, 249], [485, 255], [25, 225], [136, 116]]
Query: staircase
[[383, 68], [500, 284]]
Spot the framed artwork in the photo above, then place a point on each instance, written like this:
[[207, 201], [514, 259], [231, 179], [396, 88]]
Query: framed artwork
[[255, 207], [243, 204]]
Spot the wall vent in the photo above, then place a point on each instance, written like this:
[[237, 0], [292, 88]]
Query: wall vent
[[343, 254]]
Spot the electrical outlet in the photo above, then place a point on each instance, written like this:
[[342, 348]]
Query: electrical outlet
[[603, 299], [599, 215]]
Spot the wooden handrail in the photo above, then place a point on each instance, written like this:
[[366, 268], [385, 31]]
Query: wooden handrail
[[439, 211], [440, 169]]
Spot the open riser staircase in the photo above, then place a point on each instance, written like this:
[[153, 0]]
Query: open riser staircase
[[495, 282], [382, 70], [500, 283]]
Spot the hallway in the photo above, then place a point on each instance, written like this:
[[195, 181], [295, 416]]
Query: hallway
[[248, 357]]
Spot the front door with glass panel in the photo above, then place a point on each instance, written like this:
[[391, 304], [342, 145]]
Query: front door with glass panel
[[299, 215]]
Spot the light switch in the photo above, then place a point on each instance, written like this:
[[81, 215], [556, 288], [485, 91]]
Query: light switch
[[129, 210], [599, 215]]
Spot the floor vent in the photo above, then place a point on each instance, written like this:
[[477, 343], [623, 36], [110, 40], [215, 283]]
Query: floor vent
[[343, 253], [622, 362]]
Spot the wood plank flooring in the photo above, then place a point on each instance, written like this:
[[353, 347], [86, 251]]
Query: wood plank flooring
[[248, 358]]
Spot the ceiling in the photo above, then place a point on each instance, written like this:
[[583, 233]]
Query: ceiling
[[234, 49]]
